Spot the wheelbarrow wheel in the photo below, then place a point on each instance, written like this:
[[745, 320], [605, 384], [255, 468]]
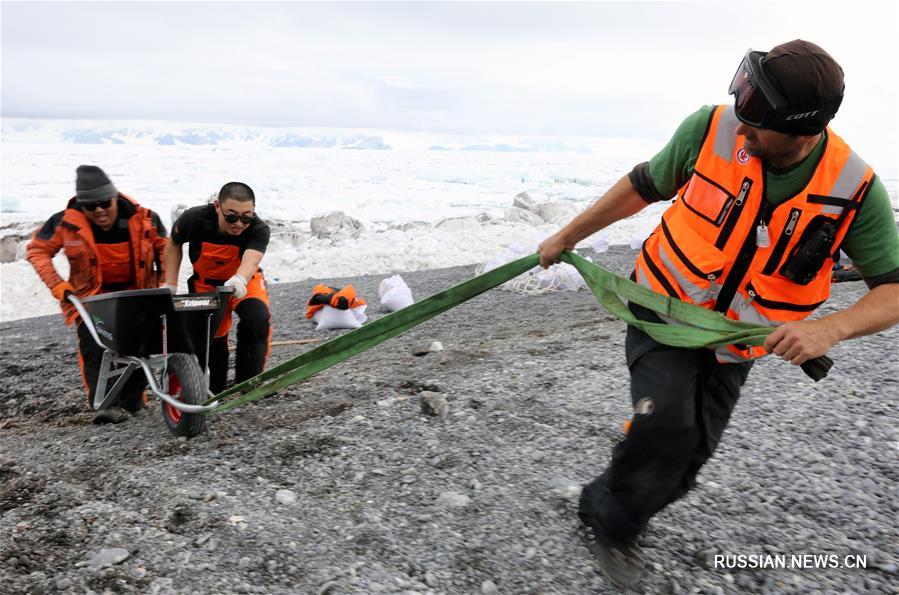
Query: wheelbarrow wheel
[[186, 384]]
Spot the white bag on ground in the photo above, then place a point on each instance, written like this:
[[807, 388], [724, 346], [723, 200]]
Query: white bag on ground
[[558, 277], [601, 243], [395, 294], [331, 318]]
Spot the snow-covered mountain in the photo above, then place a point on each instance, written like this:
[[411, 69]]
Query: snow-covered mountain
[[131, 133], [110, 132]]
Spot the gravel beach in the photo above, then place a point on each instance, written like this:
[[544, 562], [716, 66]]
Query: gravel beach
[[342, 484]]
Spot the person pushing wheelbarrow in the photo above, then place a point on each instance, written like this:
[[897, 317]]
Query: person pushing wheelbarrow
[[226, 242], [112, 244]]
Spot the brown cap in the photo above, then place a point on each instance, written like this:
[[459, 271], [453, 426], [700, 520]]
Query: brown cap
[[807, 77]]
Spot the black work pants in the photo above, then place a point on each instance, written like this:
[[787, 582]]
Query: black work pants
[[682, 401], [253, 334], [90, 355]]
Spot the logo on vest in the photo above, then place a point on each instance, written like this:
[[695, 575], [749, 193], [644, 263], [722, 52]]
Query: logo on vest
[[742, 156]]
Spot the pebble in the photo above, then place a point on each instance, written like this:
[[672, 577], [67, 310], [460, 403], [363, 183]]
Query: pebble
[[108, 557], [453, 499], [433, 404], [285, 497], [426, 348], [566, 488]]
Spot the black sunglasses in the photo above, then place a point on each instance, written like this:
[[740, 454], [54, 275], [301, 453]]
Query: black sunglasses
[[92, 206], [234, 218]]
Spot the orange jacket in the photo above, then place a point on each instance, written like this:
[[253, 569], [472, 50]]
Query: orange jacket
[[70, 230], [707, 249]]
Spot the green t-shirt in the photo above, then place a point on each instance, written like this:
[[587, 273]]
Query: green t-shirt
[[872, 242]]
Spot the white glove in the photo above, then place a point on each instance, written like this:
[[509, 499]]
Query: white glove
[[239, 284]]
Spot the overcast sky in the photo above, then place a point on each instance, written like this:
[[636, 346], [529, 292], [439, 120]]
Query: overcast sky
[[591, 69]]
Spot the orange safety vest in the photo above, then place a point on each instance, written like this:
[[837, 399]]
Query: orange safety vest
[[706, 250]]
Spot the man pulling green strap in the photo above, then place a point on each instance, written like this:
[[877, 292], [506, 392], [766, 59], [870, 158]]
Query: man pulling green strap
[[766, 194]]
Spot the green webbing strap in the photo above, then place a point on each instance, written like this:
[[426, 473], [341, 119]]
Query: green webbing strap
[[366, 337], [706, 328], [702, 327]]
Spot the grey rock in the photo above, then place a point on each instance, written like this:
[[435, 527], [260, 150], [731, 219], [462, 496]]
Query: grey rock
[[554, 212], [426, 348], [524, 201], [453, 500], [566, 488], [111, 415], [9, 246], [63, 583], [433, 404], [108, 557], [335, 225], [285, 497], [519, 215], [706, 558], [458, 224]]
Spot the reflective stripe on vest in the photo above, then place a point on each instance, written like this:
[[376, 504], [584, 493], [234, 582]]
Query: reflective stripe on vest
[[726, 139], [704, 250]]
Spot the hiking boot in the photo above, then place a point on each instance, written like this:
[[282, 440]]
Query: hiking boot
[[111, 415], [622, 565], [136, 404]]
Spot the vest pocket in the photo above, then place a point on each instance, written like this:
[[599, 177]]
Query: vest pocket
[[695, 264], [115, 263], [707, 199], [808, 257], [217, 261], [768, 299]]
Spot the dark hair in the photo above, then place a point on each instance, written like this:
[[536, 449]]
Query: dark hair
[[238, 191]]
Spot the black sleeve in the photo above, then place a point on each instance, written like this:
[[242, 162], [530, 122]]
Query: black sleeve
[[891, 277], [157, 223], [49, 228], [258, 237], [182, 226], [643, 184]]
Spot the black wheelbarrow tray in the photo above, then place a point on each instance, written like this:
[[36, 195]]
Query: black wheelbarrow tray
[[167, 336]]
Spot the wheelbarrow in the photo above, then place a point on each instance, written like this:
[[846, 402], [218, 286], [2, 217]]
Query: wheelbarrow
[[167, 337]]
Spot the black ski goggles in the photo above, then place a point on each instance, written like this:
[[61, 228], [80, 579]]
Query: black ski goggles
[[234, 218], [756, 102]]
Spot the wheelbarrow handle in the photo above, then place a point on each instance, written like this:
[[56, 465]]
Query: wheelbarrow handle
[[85, 318]]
